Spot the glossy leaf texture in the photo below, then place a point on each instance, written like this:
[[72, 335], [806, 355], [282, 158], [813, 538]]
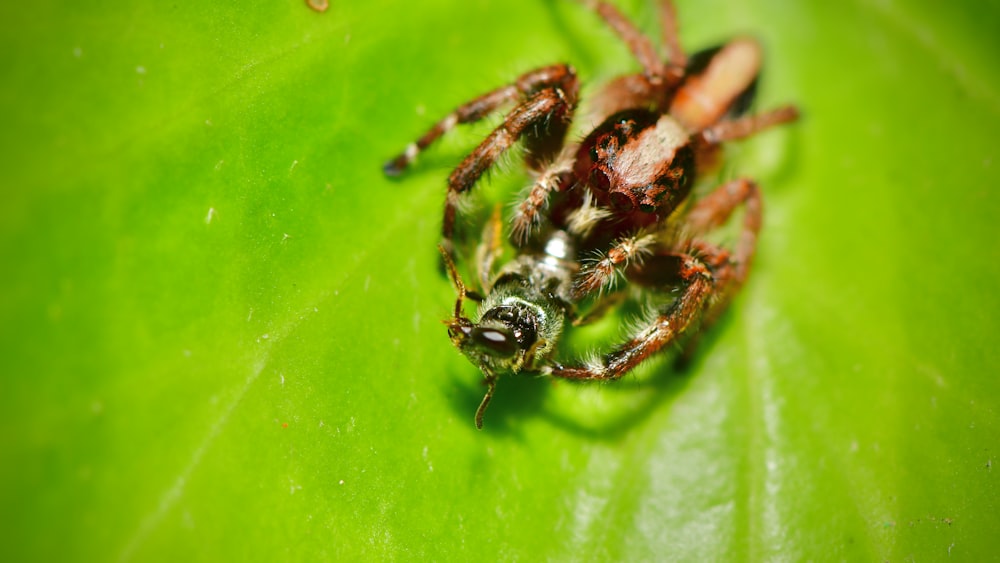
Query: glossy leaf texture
[[220, 322]]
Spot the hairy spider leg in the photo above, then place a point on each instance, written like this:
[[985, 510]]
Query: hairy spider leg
[[548, 98], [706, 271], [474, 110], [642, 48], [671, 39], [730, 271], [749, 125], [670, 323], [712, 211], [600, 275], [528, 214], [541, 118]]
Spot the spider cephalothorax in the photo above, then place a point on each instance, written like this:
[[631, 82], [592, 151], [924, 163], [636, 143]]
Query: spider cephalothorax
[[637, 160], [609, 209]]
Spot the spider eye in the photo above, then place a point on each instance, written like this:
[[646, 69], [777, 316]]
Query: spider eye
[[495, 342], [593, 154]]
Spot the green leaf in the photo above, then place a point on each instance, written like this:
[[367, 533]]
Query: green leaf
[[221, 334]]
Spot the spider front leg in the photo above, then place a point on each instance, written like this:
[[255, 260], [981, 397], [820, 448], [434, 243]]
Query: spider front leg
[[670, 323], [548, 98], [654, 70], [542, 119], [529, 83]]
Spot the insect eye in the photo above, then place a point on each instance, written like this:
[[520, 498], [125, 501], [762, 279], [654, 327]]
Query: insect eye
[[498, 343]]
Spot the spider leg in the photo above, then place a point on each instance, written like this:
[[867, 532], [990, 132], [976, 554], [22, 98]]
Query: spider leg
[[542, 117], [706, 271], [600, 274], [713, 210], [670, 323], [640, 45], [746, 126], [671, 40], [528, 213], [559, 75]]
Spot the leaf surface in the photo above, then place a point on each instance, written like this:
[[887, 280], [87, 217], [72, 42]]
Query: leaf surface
[[221, 334]]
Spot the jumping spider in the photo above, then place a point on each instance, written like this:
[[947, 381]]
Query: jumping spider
[[620, 195]]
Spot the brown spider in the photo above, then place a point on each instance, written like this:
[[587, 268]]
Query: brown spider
[[620, 193]]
